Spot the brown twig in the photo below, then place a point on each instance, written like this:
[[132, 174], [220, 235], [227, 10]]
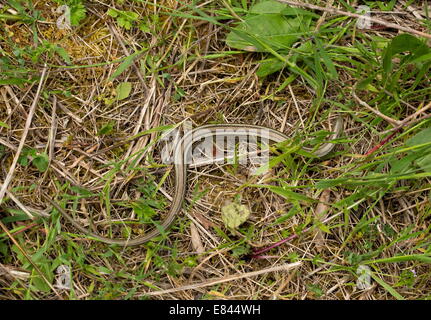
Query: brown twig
[[404, 123], [412, 119], [375, 111]]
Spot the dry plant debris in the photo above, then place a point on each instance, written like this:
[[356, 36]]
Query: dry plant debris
[[75, 104]]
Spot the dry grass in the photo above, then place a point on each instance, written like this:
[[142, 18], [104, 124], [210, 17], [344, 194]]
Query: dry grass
[[219, 90]]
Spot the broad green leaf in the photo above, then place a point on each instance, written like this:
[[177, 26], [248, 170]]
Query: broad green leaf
[[425, 162], [144, 210], [39, 283], [273, 30], [402, 43], [403, 164], [420, 156], [270, 6], [123, 90], [124, 18], [424, 136], [44, 265], [422, 58], [123, 22]]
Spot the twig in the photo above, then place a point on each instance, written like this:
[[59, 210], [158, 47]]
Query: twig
[[323, 17], [53, 130], [355, 15], [375, 111], [320, 214], [284, 267], [24, 136], [412, 119], [296, 105]]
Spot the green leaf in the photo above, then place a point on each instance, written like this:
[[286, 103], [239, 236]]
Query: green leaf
[[402, 43], [425, 162], [388, 288], [323, 227], [287, 216], [15, 81], [288, 194], [123, 90], [4, 125], [422, 58], [77, 13], [130, 15], [41, 162], [113, 13], [144, 27], [125, 19], [17, 215], [423, 137], [322, 56], [145, 209], [123, 66], [24, 156], [62, 53], [273, 30], [325, 184], [123, 22], [45, 267], [234, 214], [106, 129], [403, 164], [270, 6]]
